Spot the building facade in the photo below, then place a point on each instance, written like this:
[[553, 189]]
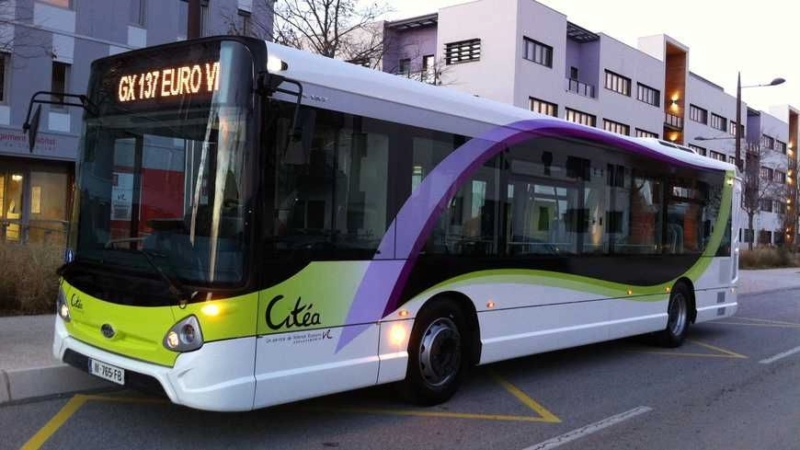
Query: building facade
[[526, 54], [48, 45]]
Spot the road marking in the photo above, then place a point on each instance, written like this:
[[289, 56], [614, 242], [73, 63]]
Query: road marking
[[418, 413], [543, 412], [780, 356], [38, 439], [721, 352], [589, 429], [778, 322], [126, 399], [761, 325], [719, 349]]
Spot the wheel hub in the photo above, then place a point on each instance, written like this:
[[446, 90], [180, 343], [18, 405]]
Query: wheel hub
[[440, 352]]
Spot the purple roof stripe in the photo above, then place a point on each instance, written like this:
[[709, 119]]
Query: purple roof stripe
[[382, 285]]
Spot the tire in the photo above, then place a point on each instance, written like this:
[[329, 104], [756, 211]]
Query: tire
[[678, 318], [437, 355]]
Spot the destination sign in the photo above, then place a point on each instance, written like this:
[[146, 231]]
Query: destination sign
[[194, 79]]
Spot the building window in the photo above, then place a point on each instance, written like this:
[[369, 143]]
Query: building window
[[59, 80], [645, 134], [732, 159], [616, 127], [699, 150], [61, 3], [719, 122], [5, 60], [429, 69], [543, 107], [718, 156], [539, 53], [766, 204], [765, 237], [766, 173], [576, 116], [462, 51], [648, 95], [732, 128], [698, 114], [183, 18], [617, 83], [137, 12], [768, 142], [780, 177], [204, 31], [780, 146], [404, 67], [245, 23]]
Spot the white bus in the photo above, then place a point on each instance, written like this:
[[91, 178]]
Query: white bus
[[256, 225]]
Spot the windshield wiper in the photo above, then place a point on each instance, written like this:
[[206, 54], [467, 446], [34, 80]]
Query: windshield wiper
[[176, 288]]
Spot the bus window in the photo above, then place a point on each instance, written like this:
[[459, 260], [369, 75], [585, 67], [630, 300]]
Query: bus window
[[468, 226], [641, 233], [331, 187]]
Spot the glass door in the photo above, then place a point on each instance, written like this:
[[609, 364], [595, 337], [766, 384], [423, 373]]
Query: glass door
[[11, 185]]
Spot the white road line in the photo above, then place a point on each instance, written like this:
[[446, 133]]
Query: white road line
[[780, 356], [589, 429]]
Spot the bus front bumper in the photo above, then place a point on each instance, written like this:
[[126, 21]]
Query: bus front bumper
[[217, 377]]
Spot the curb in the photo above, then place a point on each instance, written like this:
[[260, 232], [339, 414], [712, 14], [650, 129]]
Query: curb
[[23, 384]]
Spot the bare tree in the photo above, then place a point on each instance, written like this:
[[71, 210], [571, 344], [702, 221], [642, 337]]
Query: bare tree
[[18, 36], [342, 29], [757, 189], [431, 72]]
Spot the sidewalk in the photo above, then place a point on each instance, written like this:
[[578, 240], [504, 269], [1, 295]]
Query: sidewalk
[[28, 369]]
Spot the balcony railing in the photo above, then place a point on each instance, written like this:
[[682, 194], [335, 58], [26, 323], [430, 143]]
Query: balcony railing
[[673, 121], [586, 90]]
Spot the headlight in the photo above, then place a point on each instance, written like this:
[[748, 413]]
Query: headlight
[[61, 305], [184, 336]]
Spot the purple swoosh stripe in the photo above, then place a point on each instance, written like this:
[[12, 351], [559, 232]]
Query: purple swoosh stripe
[[382, 285]]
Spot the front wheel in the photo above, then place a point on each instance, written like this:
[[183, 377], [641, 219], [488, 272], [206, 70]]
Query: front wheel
[[678, 318], [436, 356]]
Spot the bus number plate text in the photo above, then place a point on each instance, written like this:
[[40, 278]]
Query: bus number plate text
[[107, 371]]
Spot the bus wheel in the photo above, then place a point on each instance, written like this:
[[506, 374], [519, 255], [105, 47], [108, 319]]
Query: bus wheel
[[678, 318], [436, 359]]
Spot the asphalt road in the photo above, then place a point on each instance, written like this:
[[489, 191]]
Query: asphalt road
[[734, 385]]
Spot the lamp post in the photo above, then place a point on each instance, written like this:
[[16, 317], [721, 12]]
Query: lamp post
[[739, 130]]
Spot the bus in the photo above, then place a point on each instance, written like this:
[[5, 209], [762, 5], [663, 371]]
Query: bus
[[255, 225]]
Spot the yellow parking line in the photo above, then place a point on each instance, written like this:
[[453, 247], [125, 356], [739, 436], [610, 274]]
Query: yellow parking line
[[124, 399], [418, 413], [543, 412], [762, 325], [777, 322], [718, 349], [72, 406], [695, 355]]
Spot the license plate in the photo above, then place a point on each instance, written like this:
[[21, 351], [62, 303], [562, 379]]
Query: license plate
[[107, 371]]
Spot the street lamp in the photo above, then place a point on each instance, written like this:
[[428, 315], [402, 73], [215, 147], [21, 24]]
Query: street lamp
[[739, 87]]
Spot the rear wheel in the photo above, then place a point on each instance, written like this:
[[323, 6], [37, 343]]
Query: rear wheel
[[436, 354], [678, 318]]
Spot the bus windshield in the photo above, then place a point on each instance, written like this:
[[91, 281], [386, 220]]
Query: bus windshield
[[162, 173]]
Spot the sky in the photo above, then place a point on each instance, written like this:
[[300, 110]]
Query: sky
[[724, 36]]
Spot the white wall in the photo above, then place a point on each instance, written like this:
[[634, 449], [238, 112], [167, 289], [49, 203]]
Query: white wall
[[495, 23], [640, 68]]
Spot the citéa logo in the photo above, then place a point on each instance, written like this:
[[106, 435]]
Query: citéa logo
[[300, 316], [75, 302]]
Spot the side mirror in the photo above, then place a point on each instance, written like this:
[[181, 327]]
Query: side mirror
[[32, 128]]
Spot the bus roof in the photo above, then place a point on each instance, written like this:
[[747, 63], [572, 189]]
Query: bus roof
[[310, 68]]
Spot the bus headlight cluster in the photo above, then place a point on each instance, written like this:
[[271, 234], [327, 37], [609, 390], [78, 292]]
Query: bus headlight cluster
[[61, 306], [184, 336]]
